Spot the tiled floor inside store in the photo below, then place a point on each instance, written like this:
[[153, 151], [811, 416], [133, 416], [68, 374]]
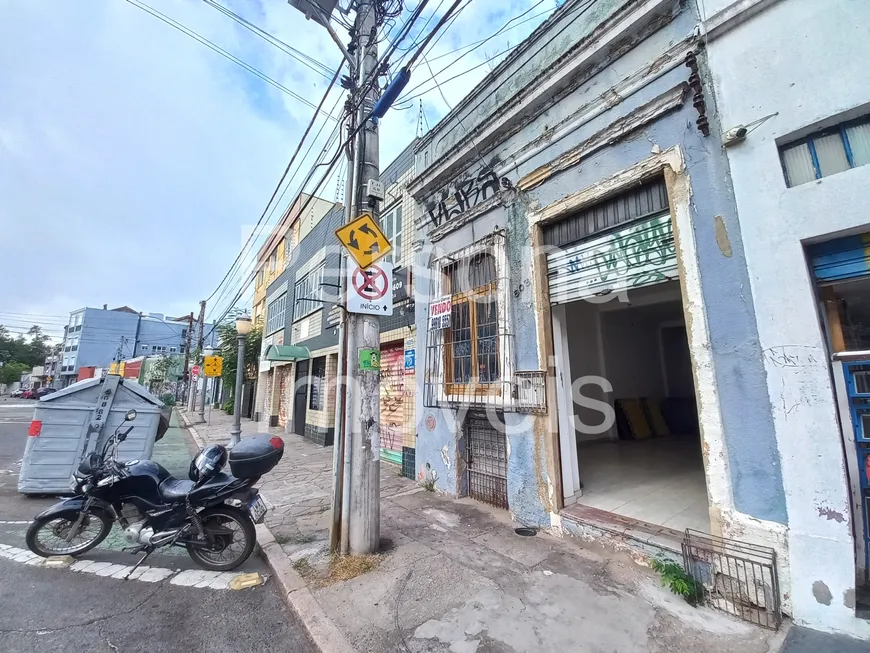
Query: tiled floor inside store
[[659, 481]]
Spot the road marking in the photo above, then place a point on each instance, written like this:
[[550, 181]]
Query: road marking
[[196, 578], [14, 522], [2, 406]]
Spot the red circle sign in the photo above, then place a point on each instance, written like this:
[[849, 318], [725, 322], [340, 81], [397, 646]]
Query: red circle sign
[[195, 370], [370, 284]]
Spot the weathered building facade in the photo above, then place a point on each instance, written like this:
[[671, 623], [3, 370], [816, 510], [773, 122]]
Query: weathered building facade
[[797, 134], [588, 349]]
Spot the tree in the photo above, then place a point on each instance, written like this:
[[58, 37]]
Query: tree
[[19, 350], [228, 343], [11, 372]]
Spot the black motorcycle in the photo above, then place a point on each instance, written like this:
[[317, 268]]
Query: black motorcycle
[[212, 514]]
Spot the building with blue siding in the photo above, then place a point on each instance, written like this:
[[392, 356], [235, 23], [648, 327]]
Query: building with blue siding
[[588, 353]]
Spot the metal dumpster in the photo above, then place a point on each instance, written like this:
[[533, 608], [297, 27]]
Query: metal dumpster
[[71, 423]]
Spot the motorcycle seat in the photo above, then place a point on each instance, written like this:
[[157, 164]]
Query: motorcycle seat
[[175, 489]]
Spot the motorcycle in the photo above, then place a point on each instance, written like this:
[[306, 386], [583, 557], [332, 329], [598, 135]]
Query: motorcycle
[[212, 514]]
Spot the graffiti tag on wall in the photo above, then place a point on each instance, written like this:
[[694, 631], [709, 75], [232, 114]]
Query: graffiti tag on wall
[[464, 195]]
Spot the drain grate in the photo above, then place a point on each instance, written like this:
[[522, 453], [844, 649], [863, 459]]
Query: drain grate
[[735, 577]]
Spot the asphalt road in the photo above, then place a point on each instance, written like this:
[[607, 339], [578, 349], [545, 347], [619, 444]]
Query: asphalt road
[[59, 609]]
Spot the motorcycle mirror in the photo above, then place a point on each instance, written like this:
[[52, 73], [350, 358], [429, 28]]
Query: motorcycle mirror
[[130, 416]]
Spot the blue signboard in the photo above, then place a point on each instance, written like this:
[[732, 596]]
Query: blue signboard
[[410, 359]]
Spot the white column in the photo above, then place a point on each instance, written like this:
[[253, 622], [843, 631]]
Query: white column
[[565, 408]]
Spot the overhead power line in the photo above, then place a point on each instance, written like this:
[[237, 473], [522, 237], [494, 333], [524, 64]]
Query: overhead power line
[[301, 57], [216, 48], [281, 180]]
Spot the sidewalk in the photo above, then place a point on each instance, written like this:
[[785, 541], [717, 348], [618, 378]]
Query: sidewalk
[[454, 576]]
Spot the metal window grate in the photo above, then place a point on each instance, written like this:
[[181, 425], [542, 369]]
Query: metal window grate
[[470, 362], [486, 460], [531, 391], [735, 577]]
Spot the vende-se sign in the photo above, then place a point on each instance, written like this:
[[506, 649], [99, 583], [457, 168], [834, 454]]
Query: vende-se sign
[[439, 313]]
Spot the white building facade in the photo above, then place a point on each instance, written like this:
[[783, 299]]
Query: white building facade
[[788, 73]]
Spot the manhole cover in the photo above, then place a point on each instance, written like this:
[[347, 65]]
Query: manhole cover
[[526, 531]]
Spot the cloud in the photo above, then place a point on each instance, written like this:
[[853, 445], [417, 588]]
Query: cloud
[[132, 158]]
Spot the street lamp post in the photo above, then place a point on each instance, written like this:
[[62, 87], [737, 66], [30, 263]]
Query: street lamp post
[[243, 328], [206, 352]]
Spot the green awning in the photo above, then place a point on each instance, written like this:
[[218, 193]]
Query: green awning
[[286, 353]]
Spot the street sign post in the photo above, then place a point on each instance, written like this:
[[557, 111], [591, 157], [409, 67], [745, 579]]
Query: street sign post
[[370, 291], [364, 240], [213, 365]]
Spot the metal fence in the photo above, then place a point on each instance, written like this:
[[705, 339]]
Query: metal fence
[[735, 577]]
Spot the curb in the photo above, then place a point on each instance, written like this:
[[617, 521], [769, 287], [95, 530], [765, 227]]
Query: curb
[[322, 630]]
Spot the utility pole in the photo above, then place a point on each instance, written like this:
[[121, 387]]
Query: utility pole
[[201, 349], [186, 373], [362, 514]]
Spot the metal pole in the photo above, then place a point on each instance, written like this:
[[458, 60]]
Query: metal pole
[[340, 454], [204, 396], [236, 431], [362, 420]]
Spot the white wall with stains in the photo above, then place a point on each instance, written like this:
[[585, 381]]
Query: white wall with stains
[[798, 63]]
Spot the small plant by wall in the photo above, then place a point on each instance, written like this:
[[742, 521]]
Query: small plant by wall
[[677, 580]]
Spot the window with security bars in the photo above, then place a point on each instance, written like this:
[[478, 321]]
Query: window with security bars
[[309, 293], [317, 381], [275, 314], [469, 361], [827, 152], [471, 342]]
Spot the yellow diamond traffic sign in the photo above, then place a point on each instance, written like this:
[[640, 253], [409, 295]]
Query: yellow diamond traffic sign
[[213, 365], [364, 240]]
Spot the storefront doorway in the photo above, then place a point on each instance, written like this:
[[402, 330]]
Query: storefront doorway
[[628, 424], [300, 397]]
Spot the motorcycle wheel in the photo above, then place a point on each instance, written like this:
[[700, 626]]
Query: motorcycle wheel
[[47, 536], [234, 535]]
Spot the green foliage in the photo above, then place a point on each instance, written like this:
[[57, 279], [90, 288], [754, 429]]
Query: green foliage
[[228, 344], [11, 372], [168, 399], [228, 406], [677, 580], [21, 353]]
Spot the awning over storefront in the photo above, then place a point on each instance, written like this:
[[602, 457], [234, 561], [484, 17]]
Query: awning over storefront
[[286, 353]]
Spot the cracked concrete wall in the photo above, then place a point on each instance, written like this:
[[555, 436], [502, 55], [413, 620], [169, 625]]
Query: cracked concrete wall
[[798, 83]]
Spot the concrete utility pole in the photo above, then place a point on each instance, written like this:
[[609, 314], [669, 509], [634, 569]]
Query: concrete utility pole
[[186, 372], [362, 514], [201, 354]]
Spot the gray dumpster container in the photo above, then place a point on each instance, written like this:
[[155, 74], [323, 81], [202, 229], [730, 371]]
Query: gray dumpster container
[[71, 423]]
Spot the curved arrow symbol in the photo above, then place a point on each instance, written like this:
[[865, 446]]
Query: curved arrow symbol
[[352, 241]]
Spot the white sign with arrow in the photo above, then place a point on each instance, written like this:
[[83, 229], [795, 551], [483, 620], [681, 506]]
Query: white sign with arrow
[[370, 290]]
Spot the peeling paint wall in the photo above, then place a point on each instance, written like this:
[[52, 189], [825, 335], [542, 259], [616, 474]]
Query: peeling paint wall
[[798, 78], [591, 134]]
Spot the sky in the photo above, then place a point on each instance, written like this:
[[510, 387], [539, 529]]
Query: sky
[[135, 161]]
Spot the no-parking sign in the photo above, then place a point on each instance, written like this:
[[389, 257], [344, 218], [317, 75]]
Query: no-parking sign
[[370, 291]]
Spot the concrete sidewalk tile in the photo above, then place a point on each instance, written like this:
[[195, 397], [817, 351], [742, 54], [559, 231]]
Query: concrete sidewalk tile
[[189, 577], [155, 574], [82, 565], [111, 569]]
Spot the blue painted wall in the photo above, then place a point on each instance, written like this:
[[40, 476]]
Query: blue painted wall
[[751, 447]]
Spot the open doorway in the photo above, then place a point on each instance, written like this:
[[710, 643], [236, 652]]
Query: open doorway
[[632, 411]]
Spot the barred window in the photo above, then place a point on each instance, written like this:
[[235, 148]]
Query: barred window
[[309, 293], [317, 382], [275, 314], [471, 342]]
